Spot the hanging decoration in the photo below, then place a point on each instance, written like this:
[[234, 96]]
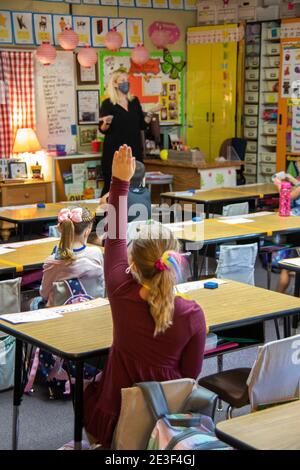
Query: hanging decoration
[[87, 57], [113, 40], [170, 66], [46, 53], [140, 55], [162, 34], [68, 39]]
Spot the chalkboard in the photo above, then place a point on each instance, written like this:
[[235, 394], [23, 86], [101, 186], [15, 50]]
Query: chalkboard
[[55, 101]]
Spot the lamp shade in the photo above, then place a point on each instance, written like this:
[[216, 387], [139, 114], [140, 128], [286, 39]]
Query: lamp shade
[[113, 40], [26, 141], [139, 55], [87, 57]]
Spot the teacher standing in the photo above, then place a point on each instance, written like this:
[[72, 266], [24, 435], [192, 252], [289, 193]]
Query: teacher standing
[[121, 121]]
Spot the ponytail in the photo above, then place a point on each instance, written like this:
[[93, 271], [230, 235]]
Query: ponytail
[[67, 240], [161, 300]]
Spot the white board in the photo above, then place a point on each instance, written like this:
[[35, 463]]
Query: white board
[[55, 101]]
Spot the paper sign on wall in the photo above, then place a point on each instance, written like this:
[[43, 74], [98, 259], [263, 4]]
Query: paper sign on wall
[[82, 26], [5, 27], [43, 28], [60, 22], [23, 27], [120, 25], [135, 32], [99, 30]]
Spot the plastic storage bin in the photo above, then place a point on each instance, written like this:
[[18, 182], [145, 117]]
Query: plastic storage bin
[[251, 110], [211, 341], [250, 133], [272, 49], [252, 74], [251, 146], [250, 169], [251, 97], [251, 121], [273, 61], [270, 98], [270, 129], [271, 74], [252, 62], [268, 157], [250, 158], [272, 140], [268, 169], [252, 86]]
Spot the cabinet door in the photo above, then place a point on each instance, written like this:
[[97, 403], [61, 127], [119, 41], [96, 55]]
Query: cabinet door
[[223, 95], [199, 97]]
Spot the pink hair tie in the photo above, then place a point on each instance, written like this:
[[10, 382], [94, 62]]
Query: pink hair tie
[[75, 215], [160, 266]]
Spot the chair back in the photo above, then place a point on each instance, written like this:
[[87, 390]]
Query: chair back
[[241, 208], [237, 262], [275, 375], [10, 297], [136, 421]]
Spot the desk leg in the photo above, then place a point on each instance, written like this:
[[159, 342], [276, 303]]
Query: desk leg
[[17, 393], [78, 406], [287, 326], [206, 208], [21, 228]]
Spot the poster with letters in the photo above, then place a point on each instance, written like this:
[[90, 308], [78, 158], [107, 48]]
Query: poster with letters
[[82, 26], [23, 27], [6, 36], [99, 30], [135, 34], [60, 22], [43, 30], [120, 25]]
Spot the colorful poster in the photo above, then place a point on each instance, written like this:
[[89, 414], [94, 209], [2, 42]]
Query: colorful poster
[[296, 130], [6, 36], [109, 2], [190, 4], [291, 72], [99, 30], [82, 26], [160, 3], [135, 33], [120, 25], [23, 27], [60, 22], [43, 30], [143, 3], [126, 3], [169, 101], [176, 4]]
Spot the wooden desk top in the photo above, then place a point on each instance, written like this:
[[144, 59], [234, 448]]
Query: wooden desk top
[[274, 223], [276, 428], [186, 164], [220, 194], [211, 230], [28, 256], [50, 212], [85, 332]]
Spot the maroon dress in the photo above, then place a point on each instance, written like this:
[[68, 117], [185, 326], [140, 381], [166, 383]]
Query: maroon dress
[[136, 355]]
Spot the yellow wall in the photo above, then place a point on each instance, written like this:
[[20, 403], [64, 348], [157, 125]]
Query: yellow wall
[[183, 19]]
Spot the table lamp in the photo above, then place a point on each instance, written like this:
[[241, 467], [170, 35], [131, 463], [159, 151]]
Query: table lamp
[[26, 143]]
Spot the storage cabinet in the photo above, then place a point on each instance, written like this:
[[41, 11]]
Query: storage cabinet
[[211, 94]]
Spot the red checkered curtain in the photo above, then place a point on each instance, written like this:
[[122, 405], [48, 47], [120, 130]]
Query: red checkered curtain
[[17, 107]]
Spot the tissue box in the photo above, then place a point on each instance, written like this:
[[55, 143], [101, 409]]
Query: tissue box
[[193, 156]]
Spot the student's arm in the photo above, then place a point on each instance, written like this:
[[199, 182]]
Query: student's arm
[[115, 255], [193, 353], [49, 276]]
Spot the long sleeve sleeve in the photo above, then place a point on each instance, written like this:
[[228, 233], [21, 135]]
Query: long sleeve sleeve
[[106, 109], [115, 256], [143, 124], [192, 356]]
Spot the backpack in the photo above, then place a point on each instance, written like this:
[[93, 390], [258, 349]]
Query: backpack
[[182, 431], [58, 373]]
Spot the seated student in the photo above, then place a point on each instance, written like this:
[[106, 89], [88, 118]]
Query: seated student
[[73, 258], [157, 335], [285, 275]]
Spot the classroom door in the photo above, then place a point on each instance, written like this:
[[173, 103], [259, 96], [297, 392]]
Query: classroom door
[[199, 97], [223, 95]]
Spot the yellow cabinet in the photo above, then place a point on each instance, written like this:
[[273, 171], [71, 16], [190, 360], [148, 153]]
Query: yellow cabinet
[[211, 93]]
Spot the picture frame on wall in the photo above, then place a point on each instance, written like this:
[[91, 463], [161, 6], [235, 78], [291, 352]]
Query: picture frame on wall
[[88, 106], [17, 170], [86, 135], [87, 76]]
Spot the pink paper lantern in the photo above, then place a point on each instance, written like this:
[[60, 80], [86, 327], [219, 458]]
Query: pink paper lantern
[[113, 40], [160, 38], [68, 39], [140, 55], [87, 57], [46, 53]]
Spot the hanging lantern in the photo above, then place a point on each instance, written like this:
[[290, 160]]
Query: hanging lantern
[[87, 57], [140, 55], [113, 40], [68, 39], [160, 38], [46, 53]]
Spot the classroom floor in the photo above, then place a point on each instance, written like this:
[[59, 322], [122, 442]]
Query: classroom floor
[[47, 424]]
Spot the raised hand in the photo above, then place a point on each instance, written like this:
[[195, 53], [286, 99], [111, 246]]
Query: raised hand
[[123, 166]]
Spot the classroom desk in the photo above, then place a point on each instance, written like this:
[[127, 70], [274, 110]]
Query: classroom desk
[[47, 214], [88, 333], [224, 195], [276, 428]]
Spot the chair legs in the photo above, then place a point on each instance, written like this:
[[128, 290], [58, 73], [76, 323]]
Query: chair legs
[[220, 369], [229, 412], [277, 328]]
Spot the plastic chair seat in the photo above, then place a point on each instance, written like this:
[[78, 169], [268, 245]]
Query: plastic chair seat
[[230, 385]]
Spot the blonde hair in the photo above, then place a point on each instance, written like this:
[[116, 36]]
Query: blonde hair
[[69, 229], [146, 251], [111, 91]]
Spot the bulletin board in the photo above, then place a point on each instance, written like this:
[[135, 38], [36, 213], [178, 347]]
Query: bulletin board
[[149, 83]]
